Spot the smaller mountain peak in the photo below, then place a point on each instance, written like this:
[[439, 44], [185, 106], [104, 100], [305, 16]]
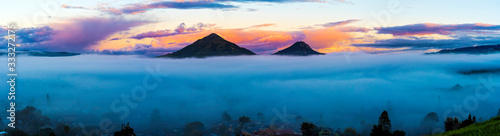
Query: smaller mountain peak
[[299, 48], [301, 44]]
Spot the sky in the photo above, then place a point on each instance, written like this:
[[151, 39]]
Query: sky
[[264, 26]]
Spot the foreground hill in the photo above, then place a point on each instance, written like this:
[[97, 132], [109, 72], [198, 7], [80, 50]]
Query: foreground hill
[[211, 45], [483, 49], [299, 48], [488, 128]]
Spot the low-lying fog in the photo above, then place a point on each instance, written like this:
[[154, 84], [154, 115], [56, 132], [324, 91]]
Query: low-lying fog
[[337, 90]]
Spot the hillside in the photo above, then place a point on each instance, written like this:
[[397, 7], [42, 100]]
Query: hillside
[[488, 128]]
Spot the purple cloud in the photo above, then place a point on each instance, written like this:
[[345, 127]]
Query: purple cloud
[[336, 24], [430, 28], [198, 4], [79, 34], [35, 34], [181, 29], [415, 43], [339, 23], [75, 35]]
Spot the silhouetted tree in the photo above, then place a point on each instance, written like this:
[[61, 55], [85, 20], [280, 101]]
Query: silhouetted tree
[[155, 121], [221, 130], [66, 129], [243, 120], [15, 132], [226, 117], [469, 121], [298, 119], [384, 121], [498, 114], [59, 129], [30, 119], [125, 131], [261, 117], [48, 98], [378, 130], [384, 127], [44, 132], [308, 129], [429, 122], [398, 133], [194, 129], [350, 132], [449, 124], [454, 124]]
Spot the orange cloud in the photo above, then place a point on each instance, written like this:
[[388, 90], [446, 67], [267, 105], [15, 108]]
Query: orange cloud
[[325, 38]]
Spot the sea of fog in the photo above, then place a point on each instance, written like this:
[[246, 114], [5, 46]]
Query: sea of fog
[[337, 90]]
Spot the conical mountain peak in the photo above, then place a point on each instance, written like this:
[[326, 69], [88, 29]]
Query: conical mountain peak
[[299, 48], [211, 45], [213, 36]]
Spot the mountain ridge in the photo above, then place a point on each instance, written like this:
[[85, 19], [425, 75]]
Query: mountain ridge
[[481, 49]]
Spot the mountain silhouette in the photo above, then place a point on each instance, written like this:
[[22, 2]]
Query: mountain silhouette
[[211, 45], [482, 49], [299, 48]]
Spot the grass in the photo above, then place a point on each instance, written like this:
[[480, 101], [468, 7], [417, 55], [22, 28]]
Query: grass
[[488, 128]]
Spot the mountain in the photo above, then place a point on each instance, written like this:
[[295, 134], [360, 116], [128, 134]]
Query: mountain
[[484, 49], [41, 53], [211, 45], [299, 48], [486, 128]]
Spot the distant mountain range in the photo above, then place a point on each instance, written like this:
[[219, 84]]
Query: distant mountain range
[[299, 48], [42, 53], [483, 49], [211, 45]]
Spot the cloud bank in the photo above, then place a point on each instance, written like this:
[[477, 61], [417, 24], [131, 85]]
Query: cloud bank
[[431, 28], [344, 88]]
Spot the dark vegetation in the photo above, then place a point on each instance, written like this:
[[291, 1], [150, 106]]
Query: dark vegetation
[[31, 122], [490, 127], [454, 124]]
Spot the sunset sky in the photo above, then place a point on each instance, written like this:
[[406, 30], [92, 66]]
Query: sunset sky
[[263, 26]]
